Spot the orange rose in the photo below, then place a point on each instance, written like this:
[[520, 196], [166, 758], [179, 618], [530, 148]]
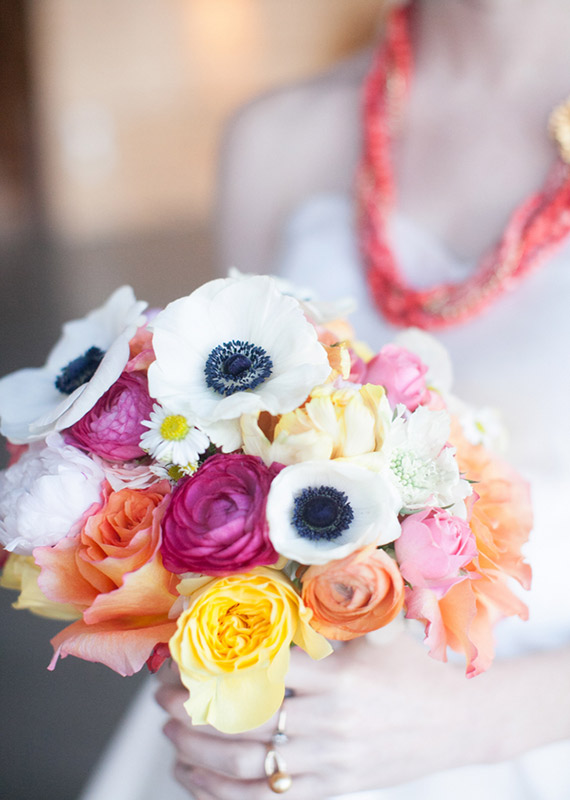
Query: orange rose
[[501, 521], [354, 595], [113, 572]]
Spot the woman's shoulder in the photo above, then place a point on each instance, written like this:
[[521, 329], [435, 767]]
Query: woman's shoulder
[[291, 109], [278, 150]]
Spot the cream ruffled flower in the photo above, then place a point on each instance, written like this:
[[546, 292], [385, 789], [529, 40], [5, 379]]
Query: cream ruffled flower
[[233, 347], [87, 360], [336, 422], [320, 511]]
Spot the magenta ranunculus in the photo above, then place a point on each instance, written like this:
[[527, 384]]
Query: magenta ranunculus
[[112, 428], [401, 373], [432, 549], [215, 523]]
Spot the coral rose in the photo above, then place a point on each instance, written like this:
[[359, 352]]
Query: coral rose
[[113, 427], [232, 647], [401, 373], [215, 523], [355, 595], [113, 573], [501, 520]]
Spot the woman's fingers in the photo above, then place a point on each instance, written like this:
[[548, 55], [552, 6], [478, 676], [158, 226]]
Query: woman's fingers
[[244, 759], [197, 780]]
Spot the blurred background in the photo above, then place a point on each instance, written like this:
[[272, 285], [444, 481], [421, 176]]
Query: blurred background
[[112, 112]]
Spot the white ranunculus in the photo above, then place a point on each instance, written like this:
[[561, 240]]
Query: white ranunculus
[[45, 494], [233, 347], [415, 457], [320, 511], [87, 360]]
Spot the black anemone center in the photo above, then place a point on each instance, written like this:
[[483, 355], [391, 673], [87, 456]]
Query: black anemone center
[[79, 371], [322, 513], [237, 366]]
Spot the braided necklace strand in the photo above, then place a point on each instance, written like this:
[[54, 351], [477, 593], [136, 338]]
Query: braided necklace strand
[[535, 229]]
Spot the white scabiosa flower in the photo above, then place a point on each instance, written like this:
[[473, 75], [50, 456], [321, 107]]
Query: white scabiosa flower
[[320, 511], [233, 347], [171, 439], [89, 357], [44, 495], [416, 459]]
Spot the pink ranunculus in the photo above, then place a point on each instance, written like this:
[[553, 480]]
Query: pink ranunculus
[[401, 373], [112, 428], [432, 549], [215, 523]]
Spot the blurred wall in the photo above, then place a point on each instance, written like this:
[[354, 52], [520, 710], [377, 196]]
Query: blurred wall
[[131, 96]]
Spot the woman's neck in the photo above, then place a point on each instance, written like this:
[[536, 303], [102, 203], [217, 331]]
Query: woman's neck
[[519, 46]]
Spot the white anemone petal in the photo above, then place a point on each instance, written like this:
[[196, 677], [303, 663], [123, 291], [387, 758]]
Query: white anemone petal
[[222, 312], [373, 503]]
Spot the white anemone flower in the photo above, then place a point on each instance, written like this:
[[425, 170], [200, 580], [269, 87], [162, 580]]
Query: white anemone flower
[[171, 439], [320, 511], [44, 495], [415, 457], [233, 347], [87, 360], [319, 311]]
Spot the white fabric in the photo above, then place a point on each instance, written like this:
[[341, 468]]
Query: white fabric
[[513, 357]]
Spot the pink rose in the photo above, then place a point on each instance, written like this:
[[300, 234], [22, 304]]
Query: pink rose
[[401, 373], [432, 549], [112, 428], [215, 523]]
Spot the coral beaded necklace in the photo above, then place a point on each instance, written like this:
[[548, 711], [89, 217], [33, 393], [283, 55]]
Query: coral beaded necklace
[[535, 229]]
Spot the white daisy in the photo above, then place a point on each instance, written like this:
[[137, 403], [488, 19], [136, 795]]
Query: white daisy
[[320, 511], [480, 426], [233, 347], [171, 439], [87, 360], [416, 459]]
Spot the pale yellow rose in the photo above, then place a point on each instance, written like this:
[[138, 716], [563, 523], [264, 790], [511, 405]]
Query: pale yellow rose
[[20, 573], [232, 646], [345, 422]]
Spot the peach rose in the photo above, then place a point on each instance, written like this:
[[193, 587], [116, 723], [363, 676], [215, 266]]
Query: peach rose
[[354, 595], [113, 573]]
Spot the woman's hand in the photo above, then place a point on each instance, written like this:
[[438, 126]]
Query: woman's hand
[[366, 717]]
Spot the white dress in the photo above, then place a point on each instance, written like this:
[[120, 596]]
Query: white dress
[[513, 357]]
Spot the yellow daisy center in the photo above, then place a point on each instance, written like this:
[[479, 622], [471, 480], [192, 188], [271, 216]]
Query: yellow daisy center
[[174, 428]]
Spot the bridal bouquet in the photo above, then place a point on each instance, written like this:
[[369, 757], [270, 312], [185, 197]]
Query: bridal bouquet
[[234, 474]]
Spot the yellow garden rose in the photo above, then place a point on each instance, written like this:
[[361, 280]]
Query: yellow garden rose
[[334, 423], [232, 647], [21, 574]]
